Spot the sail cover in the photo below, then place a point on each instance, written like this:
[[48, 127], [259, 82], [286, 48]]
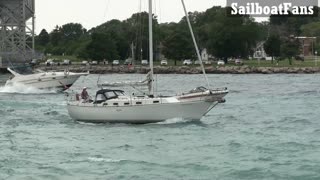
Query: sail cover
[[146, 82]]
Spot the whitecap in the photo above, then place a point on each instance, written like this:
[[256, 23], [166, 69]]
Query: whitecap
[[175, 121], [95, 159], [24, 89]]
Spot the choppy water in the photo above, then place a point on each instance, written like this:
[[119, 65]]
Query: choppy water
[[269, 128]]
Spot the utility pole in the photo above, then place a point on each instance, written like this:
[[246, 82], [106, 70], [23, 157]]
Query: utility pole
[[316, 58]]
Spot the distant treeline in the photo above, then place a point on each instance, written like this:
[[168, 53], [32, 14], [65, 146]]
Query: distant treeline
[[223, 36]]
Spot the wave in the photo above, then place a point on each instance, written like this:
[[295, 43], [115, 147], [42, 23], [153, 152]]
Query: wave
[[51, 113], [126, 146], [23, 89], [174, 121], [95, 159]]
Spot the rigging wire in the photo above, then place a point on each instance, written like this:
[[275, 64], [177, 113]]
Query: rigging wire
[[137, 25], [106, 10], [160, 12], [195, 43], [103, 20]]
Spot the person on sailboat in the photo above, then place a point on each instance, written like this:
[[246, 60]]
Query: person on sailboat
[[84, 95]]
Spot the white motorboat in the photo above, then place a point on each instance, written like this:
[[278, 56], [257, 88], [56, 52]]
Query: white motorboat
[[114, 106], [41, 79]]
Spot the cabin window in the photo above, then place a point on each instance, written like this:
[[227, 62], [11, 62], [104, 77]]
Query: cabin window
[[101, 97], [138, 102], [155, 102], [115, 104], [53, 78], [126, 104], [105, 104], [110, 95], [119, 93]]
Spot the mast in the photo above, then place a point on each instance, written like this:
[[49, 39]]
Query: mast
[[132, 54], [151, 90], [195, 43]]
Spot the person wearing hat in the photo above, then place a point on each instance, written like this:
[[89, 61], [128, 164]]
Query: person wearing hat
[[85, 95]]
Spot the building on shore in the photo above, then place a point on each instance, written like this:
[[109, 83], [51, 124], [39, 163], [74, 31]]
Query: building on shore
[[307, 46], [260, 53], [205, 56]]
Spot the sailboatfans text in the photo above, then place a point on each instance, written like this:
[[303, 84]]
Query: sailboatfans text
[[261, 8]]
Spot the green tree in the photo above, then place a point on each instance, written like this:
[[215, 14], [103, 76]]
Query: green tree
[[72, 31], [311, 29], [272, 46], [178, 46], [228, 36], [102, 47], [289, 49], [137, 29], [291, 24], [43, 38], [56, 36]]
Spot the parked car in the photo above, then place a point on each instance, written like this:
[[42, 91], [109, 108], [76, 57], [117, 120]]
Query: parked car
[[115, 62], [66, 62], [105, 62], [52, 62], [35, 62], [84, 63], [207, 62], [187, 62], [221, 63], [238, 62], [164, 62], [94, 62], [127, 62], [144, 62], [48, 62], [197, 62]]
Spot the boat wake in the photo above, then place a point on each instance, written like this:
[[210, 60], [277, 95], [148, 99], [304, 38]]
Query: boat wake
[[176, 121], [23, 89]]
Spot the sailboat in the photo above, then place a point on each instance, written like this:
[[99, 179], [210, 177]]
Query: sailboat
[[112, 105]]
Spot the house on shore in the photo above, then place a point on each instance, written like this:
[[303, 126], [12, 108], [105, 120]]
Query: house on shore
[[307, 46], [205, 56], [260, 53]]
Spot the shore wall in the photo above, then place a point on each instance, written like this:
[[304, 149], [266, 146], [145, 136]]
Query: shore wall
[[186, 69]]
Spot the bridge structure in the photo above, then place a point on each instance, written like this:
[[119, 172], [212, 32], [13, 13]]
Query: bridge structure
[[17, 31]]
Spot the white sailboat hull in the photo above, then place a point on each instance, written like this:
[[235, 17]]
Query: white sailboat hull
[[140, 114]]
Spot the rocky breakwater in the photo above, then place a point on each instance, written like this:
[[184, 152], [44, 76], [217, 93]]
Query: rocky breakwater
[[262, 70], [186, 69]]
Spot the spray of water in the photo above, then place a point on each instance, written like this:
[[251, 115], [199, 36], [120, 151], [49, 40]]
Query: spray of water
[[175, 121], [23, 89]]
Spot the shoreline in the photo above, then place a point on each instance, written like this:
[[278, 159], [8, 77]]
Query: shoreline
[[123, 69], [186, 69]]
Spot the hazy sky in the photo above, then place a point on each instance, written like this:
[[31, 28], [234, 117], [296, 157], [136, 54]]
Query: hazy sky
[[91, 13]]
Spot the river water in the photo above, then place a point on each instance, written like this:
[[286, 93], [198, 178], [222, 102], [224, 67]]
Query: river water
[[269, 128]]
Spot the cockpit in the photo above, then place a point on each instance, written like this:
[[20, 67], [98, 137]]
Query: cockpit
[[107, 94]]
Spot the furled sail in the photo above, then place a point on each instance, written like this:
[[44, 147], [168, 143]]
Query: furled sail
[[146, 82]]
